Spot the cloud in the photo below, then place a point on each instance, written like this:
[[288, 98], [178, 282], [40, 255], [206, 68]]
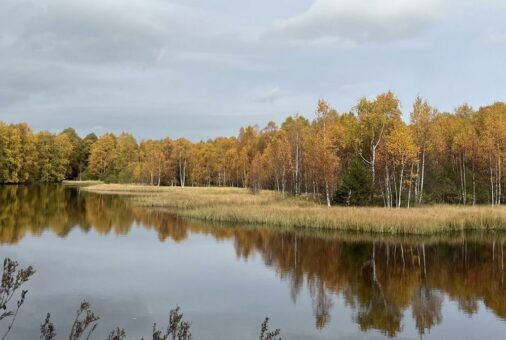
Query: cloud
[[357, 21], [269, 96], [56, 51], [179, 67], [103, 32]]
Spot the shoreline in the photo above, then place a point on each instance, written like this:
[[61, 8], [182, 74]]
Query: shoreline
[[237, 205], [80, 183]]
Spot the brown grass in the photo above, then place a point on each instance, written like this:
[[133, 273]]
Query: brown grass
[[238, 206]]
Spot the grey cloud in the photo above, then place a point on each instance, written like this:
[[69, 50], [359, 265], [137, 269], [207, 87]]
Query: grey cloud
[[103, 31], [203, 68]]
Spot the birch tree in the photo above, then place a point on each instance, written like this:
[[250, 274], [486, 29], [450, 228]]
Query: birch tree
[[374, 118], [180, 157], [421, 119], [401, 154], [493, 141]]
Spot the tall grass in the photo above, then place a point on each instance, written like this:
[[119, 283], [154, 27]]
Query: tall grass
[[238, 206]]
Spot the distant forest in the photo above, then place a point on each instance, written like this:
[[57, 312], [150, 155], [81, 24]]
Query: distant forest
[[368, 156]]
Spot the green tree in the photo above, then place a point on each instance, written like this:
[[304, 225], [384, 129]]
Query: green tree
[[356, 187]]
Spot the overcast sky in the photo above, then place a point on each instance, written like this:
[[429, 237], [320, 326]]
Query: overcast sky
[[203, 68]]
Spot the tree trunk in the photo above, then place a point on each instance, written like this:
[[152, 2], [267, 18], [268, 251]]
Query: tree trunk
[[373, 165], [184, 173], [465, 179], [417, 181], [399, 199], [499, 193], [492, 201], [422, 178], [297, 189], [159, 174], [463, 183], [388, 188], [474, 185], [327, 192], [180, 171], [394, 177], [283, 180], [410, 183]]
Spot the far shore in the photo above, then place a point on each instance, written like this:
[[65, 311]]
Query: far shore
[[81, 183], [238, 205]]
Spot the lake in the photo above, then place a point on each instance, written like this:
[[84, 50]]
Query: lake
[[134, 265]]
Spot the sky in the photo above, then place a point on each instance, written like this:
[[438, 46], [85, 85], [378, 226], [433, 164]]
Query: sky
[[204, 68]]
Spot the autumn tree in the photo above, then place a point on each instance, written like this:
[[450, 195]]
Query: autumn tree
[[492, 127], [181, 153], [75, 161], [126, 158], [278, 159], [421, 119], [84, 156], [154, 162], [465, 142], [400, 155], [53, 156], [295, 129], [225, 161], [247, 150], [28, 154], [321, 143], [446, 157], [374, 118], [254, 179], [10, 153], [102, 155]]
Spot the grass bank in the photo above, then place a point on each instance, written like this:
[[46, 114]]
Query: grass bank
[[238, 206]]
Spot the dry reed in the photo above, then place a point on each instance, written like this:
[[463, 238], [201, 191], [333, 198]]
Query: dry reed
[[236, 205]]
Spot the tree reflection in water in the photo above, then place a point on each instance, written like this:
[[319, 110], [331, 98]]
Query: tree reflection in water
[[380, 278]]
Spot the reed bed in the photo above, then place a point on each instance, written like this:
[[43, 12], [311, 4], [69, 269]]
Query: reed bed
[[269, 208]]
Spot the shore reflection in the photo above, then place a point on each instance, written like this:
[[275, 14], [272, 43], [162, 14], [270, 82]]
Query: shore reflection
[[383, 280]]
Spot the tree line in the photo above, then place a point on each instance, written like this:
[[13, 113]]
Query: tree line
[[368, 156]]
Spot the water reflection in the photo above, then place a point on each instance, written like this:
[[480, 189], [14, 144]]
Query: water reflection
[[382, 281]]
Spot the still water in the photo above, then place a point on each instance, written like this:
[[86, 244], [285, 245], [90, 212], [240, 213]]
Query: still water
[[133, 265]]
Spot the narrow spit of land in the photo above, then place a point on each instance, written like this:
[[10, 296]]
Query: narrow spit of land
[[237, 205], [80, 183]]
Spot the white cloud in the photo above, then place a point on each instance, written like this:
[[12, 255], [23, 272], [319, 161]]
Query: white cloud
[[356, 21]]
